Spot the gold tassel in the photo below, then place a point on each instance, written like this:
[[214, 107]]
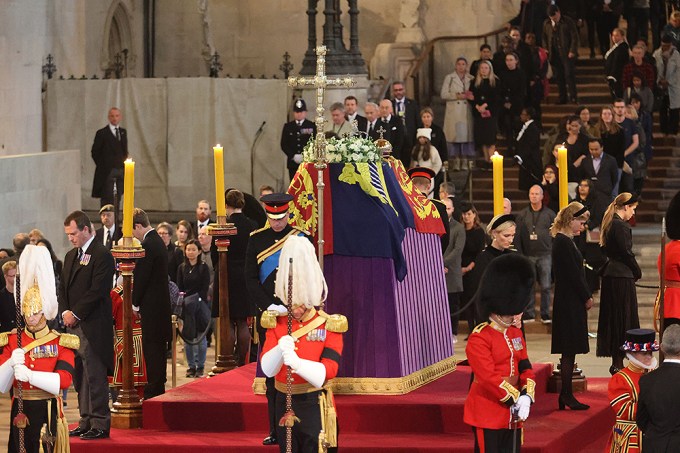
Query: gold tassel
[[331, 425], [62, 444], [256, 335], [43, 432], [289, 419]]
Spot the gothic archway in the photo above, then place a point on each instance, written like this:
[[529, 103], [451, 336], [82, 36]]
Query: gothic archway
[[117, 49]]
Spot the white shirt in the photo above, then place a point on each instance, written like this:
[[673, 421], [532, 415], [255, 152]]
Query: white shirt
[[200, 225], [596, 164], [106, 234], [524, 128], [87, 244], [113, 129]]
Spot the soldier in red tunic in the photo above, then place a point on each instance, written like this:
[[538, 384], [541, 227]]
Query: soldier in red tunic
[[624, 388], [44, 363], [312, 350], [503, 388], [671, 305]]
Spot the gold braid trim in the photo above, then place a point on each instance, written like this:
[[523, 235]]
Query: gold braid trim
[[510, 392], [4, 339], [335, 323], [382, 386], [70, 341], [530, 389]]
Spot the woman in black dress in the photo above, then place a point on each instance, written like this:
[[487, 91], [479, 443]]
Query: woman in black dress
[[618, 299], [193, 277], [485, 103], [240, 307], [573, 298], [475, 241], [501, 229]]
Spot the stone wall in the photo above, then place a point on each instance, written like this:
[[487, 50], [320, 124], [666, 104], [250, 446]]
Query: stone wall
[[39, 191]]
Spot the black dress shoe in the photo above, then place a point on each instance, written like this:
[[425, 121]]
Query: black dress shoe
[[78, 431], [270, 440], [95, 433]]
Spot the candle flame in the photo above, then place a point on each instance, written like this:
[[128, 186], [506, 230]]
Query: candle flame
[[128, 160]]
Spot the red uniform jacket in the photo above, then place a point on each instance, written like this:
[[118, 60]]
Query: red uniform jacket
[[319, 345], [50, 357], [671, 302], [623, 391], [497, 357]]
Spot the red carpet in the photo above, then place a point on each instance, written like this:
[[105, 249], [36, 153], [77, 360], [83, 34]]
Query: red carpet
[[222, 414]]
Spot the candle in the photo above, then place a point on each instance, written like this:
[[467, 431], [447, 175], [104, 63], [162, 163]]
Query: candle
[[219, 180], [128, 198], [497, 160], [564, 179]]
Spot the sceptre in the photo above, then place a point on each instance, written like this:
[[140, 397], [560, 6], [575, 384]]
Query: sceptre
[[289, 418], [21, 420]]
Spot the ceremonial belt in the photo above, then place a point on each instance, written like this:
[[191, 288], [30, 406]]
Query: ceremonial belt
[[36, 394], [672, 284], [40, 341], [308, 328], [296, 389], [275, 246]]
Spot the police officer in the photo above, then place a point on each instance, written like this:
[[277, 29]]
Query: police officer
[[295, 136], [262, 260], [312, 350], [44, 363]]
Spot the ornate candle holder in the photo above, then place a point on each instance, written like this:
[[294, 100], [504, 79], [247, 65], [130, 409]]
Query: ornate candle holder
[[127, 410], [225, 356]]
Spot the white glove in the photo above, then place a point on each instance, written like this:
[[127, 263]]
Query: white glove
[[291, 359], [523, 407], [18, 357], [287, 343], [22, 373], [297, 158], [278, 308]]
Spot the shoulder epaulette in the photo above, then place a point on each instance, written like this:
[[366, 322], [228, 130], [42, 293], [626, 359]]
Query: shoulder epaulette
[[480, 327], [4, 339], [268, 319], [305, 232], [335, 323], [266, 227], [68, 340]]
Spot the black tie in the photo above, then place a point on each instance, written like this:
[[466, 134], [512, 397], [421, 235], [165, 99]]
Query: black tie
[[80, 254], [109, 238], [118, 133], [370, 130]]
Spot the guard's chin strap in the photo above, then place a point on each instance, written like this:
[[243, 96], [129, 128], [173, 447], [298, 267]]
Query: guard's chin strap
[[639, 364]]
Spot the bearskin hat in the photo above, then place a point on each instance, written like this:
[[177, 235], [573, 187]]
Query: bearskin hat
[[506, 286]]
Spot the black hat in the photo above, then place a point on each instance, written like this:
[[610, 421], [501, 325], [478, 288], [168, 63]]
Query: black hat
[[106, 208], [640, 340], [673, 218], [421, 172], [276, 204], [300, 105], [506, 285]]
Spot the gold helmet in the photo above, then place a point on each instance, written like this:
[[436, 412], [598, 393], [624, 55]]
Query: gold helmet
[[38, 290]]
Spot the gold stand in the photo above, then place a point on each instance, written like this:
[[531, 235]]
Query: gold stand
[[127, 410], [579, 382], [225, 358]]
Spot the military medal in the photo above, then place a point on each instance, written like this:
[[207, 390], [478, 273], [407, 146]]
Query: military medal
[[85, 260], [517, 344]]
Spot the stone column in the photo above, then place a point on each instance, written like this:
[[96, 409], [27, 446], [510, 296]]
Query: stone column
[[309, 62], [409, 17]]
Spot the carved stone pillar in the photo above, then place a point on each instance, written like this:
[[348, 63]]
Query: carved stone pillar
[[309, 62]]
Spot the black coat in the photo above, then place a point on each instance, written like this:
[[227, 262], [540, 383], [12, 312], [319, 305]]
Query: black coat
[[394, 133], [117, 234], [529, 149], [658, 411], [441, 208], [617, 59], [175, 258], [570, 317], [151, 293], [8, 312], [294, 138], [85, 290], [438, 140], [606, 177], [619, 250], [240, 306], [108, 153], [410, 120]]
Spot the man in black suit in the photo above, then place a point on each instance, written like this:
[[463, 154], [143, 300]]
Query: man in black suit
[[601, 168], [529, 151], [351, 106], [394, 132], [109, 233], [408, 111], [109, 151], [658, 411], [203, 213], [295, 136], [151, 299], [85, 307], [372, 112], [614, 60]]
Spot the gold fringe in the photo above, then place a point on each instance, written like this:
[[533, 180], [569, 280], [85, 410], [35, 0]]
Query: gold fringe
[[70, 341], [62, 444], [382, 386], [268, 319], [331, 420]]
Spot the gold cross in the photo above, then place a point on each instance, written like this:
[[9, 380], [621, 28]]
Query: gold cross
[[320, 82]]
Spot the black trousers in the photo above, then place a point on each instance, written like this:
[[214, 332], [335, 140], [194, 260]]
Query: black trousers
[[563, 68], [156, 366], [117, 176], [269, 383], [305, 434], [36, 411], [497, 440], [668, 117]]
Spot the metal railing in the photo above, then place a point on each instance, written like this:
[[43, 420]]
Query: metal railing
[[423, 69]]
